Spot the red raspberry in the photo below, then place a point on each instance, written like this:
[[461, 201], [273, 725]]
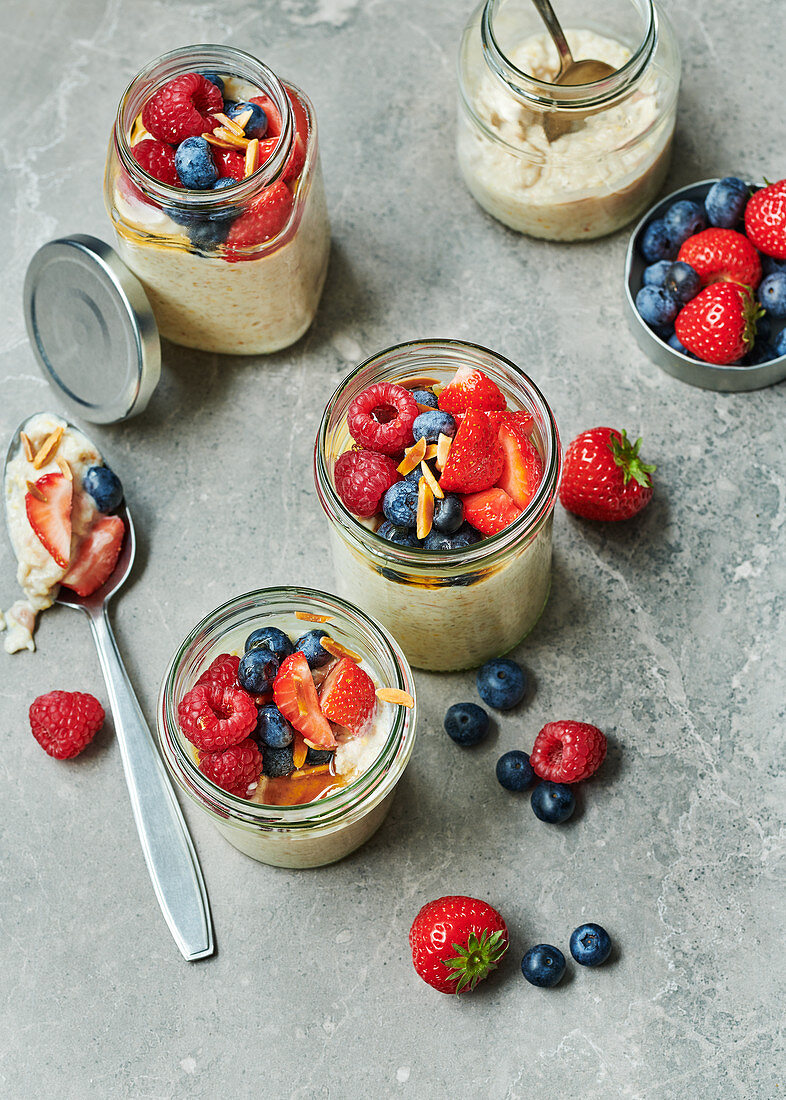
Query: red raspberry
[[265, 218], [182, 109], [362, 478], [65, 722], [223, 671], [229, 163], [213, 717], [567, 752], [158, 160], [381, 418], [235, 769]]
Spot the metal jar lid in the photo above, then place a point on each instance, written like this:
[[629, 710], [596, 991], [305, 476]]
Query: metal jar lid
[[92, 329]]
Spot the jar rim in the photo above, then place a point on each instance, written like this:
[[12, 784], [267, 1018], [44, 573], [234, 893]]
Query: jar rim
[[332, 810], [483, 553]]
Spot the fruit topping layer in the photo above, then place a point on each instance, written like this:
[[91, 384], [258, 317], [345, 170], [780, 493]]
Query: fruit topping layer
[[715, 284], [438, 467], [289, 721]]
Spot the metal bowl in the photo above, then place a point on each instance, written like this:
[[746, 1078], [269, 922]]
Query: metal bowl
[[692, 371]]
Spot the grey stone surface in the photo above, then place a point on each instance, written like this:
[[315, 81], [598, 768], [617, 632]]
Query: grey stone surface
[[668, 632]]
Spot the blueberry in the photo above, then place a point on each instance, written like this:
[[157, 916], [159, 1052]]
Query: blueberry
[[273, 730], [103, 485], [655, 274], [466, 723], [590, 945], [726, 201], [674, 342], [214, 78], [414, 475], [448, 514], [683, 219], [552, 802], [256, 127], [426, 397], [271, 638], [772, 295], [221, 184], [764, 328], [761, 352], [769, 265], [195, 165], [656, 306], [308, 645], [400, 504], [465, 536], [779, 345], [257, 670], [682, 282], [543, 965], [656, 244], [401, 536], [501, 683], [228, 105], [318, 756], [514, 771], [277, 762], [431, 425]]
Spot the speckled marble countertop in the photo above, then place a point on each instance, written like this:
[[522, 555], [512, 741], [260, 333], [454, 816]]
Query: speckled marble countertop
[[667, 632]]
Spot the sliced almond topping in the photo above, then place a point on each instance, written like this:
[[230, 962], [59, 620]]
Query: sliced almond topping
[[443, 446], [307, 617], [425, 408], [317, 769], [28, 446], [213, 140], [395, 695], [299, 751], [433, 484], [338, 650], [229, 124], [431, 452], [252, 157], [425, 506], [65, 469], [243, 120], [227, 135], [48, 448], [412, 458], [34, 491]]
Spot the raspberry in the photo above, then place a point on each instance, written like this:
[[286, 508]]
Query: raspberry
[[65, 722], [381, 418], [158, 161], [235, 769], [182, 109], [213, 717], [265, 218], [567, 752], [362, 478], [229, 163], [223, 671]]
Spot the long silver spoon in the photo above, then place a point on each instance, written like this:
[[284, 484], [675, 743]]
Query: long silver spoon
[[167, 847]]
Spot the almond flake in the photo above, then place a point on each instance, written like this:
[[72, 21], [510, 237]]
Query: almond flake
[[48, 448], [229, 124], [433, 484], [28, 446], [300, 751], [395, 695], [412, 457], [304, 773], [34, 491], [307, 617], [336, 649], [243, 120], [213, 140], [65, 469], [227, 135], [252, 157], [431, 452], [443, 447], [425, 408], [425, 506]]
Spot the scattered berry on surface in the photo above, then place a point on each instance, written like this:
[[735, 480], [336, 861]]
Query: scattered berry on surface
[[104, 486], [466, 723], [362, 478], [214, 717], [656, 243], [235, 769], [683, 219], [552, 802], [195, 165], [273, 729], [514, 771], [725, 202], [567, 752], [657, 306], [157, 159], [430, 425], [257, 670], [272, 638], [682, 282], [65, 722], [309, 645], [400, 504], [381, 418], [603, 477], [183, 108], [456, 942], [543, 965], [590, 945], [501, 683], [278, 763]]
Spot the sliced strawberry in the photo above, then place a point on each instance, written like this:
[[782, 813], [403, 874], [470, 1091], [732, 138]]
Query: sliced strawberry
[[97, 556], [50, 518], [348, 696], [295, 160], [270, 109], [475, 458], [490, 511], [296, 697], [265, 218], [229, 163], [498, 417], [470, 388], [299, 111], [522, 470]]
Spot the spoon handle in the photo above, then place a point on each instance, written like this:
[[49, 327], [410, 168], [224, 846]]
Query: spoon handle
[[166, 844], [546, 12]]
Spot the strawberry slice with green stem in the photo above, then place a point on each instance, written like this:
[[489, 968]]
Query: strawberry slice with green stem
[[48, 509], [348, 696], [296, 697]]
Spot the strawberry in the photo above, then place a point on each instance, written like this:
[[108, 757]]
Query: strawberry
[[182, 108], [50, 518], [296, 697], [265, 218], [470, 388], [348, 696], [273, 116], [765, 220], [722, 254], [719, 324], [522, 470], [490, 511], [475, 458], [603, 477], [97, 556], [456, 942], [229, 163]]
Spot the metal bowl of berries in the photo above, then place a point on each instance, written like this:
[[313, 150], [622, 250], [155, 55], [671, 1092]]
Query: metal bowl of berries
[[659, 254]]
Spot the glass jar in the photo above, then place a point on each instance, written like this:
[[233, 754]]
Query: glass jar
[[449, 609], [315, 833], [610, 140], [247, 299]]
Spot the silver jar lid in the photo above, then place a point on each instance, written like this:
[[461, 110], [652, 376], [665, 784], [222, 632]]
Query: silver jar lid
[[92, 329]]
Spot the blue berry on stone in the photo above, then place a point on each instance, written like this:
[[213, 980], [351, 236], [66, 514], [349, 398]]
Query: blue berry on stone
[[501, 683], [466, 723], [514, 771], [552, 802], [543, 965], [590, 945]]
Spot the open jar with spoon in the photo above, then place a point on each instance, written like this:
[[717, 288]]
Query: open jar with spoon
[[566, 161]]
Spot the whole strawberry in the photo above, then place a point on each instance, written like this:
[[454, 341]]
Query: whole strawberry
[[719, 324], [456, 942], [765, 220], [604, 477], [65, 722], [567, 752], [722, 255]]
